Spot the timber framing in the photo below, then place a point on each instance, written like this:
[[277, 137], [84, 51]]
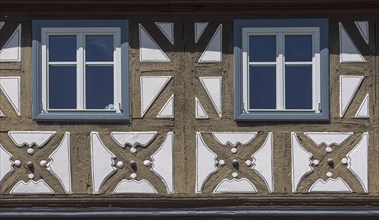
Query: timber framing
[[183, 7], [185, 13]]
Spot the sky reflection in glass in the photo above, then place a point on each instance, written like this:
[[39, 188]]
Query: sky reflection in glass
[[99, 48], [62, 48], [99, 87], [262, 87], [62, 87], [298, 48], [262, 48], [298, 81]]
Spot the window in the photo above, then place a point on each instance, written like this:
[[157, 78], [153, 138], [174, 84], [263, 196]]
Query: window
[[80, 70], [281, 69]]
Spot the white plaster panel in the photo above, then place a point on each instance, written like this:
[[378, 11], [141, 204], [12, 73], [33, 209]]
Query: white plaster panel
[[102, 162], [328, 138], [151, 87], [134, 139], [363, 111], [167, 29], [30, 138], [242, 185], [330, 185], [263, 159], [134, 186], [199, 110], [348, 88], [301, 162], [213, 87], [234, 138], [205, 163], [32, 187], [149, 49], [358, 161], [5, 164], [162, 162], [213, 51], [168, 109], [10, 86], [60, 163], [11, 52], [199, 30], [363, 29], [348, 51]]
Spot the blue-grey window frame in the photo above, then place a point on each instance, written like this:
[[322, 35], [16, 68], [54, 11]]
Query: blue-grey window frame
[[239, 113], [85, 116]]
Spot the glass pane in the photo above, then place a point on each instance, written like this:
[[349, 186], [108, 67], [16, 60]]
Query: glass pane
[[298, 48], [62, 87], [262, 48], [99, 48], [99, 87], [298, 87], [262, 82], [62, 48]]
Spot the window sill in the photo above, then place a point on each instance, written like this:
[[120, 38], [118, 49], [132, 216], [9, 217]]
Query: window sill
[[283, 116], [82, 117]]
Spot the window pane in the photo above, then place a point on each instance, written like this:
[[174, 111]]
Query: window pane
[[298, 48], [62, 48], [298, 87], [262, 48], [99, 48], [62, 87], [262, 82], [99, 87]]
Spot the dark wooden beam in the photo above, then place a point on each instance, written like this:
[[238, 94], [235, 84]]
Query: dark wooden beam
[[274, 3]]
